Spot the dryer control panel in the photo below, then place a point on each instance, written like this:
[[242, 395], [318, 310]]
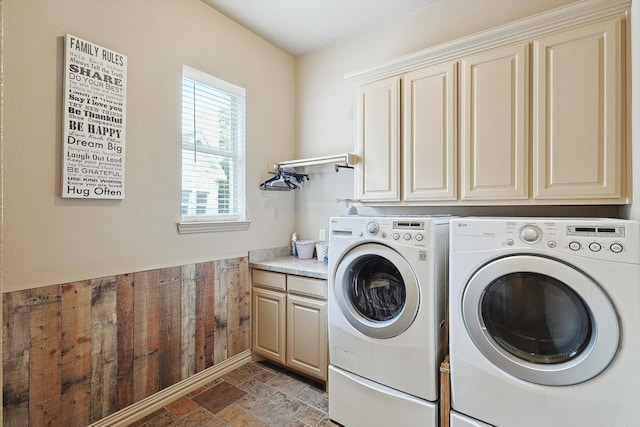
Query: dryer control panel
[[610, 239]]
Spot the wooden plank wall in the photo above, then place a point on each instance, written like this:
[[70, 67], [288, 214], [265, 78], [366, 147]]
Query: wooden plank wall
[[77, 352]]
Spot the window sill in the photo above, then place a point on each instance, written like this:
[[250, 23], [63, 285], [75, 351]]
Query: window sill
[[212, 226]]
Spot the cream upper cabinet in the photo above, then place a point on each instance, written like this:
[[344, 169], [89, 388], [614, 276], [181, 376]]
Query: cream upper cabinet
[[377, 176], [531, 113], [429, 137], [493, 124], [578, 112]]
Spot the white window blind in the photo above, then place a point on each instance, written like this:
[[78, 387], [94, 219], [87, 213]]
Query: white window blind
[[213, 149]]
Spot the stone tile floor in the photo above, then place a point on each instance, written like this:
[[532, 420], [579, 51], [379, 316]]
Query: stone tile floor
[[256, 394]]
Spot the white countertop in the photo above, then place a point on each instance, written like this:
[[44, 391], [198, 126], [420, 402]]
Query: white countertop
[[293, 265]]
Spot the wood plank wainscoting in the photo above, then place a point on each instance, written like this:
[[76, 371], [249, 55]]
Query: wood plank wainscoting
[[77, 352]]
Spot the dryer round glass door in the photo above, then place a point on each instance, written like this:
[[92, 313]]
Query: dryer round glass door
[[541, 320], [376, 290]]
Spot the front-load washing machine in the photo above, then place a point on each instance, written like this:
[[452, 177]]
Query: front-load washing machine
[[387, 303], [544, 321]]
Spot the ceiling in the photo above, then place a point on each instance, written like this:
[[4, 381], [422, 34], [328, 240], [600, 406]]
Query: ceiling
[[301, 26]]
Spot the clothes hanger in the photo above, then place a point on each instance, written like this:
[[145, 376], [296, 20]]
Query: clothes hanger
[[299, 177], [282, 181]]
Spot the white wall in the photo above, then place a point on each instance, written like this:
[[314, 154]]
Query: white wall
[[325, 100], [49, 240]]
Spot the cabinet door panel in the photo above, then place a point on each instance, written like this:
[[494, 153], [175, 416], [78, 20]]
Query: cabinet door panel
[[269, 314], [494, 96], [377, 175], [429, 133], [307, 335], [577, 113]]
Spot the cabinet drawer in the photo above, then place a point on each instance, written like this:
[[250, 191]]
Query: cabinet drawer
[[307, 286], [269, 279]]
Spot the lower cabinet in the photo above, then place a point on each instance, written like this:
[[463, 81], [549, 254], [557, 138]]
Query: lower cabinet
[[289, 321], [269, 314]]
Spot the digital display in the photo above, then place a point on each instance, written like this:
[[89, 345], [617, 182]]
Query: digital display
[[585, 229], [408, 225], [595, 231]]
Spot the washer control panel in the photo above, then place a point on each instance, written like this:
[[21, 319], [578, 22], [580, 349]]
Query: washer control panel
[[415, 231], [595, 238], [399, 230]]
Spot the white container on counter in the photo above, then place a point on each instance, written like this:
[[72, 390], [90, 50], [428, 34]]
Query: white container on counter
[[305, 248]]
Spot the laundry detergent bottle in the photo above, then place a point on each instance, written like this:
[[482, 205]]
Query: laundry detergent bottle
[[294, 239]]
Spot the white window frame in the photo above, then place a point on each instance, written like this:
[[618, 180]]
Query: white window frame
[[212, 223]]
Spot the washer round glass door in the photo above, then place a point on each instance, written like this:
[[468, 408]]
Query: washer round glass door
[[541, 320], [376, 290]]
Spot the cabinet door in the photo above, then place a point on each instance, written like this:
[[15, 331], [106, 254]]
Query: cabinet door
[[377, 174], [429, 134], [578, 135], [307, 345], [493, 115], [269, 314]]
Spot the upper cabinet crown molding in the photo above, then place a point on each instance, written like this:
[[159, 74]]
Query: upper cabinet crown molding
[[525, 29]]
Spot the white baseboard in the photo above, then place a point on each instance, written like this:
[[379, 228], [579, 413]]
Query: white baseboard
[[134, 412]]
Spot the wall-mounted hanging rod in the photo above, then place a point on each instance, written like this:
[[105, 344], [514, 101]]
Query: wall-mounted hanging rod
[[287, 179], [346, 160]]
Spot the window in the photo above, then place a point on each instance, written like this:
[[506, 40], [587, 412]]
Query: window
[[213, 154]]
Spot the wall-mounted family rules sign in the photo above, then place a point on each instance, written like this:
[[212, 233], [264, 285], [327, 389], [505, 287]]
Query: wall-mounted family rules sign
[[95, 94]]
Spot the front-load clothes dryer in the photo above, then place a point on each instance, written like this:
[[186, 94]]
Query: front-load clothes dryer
[[544, 320], [387, 304]]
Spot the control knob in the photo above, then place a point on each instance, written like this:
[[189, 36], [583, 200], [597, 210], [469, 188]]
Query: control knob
[[373, 228], [616, 248], [530, 234]]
